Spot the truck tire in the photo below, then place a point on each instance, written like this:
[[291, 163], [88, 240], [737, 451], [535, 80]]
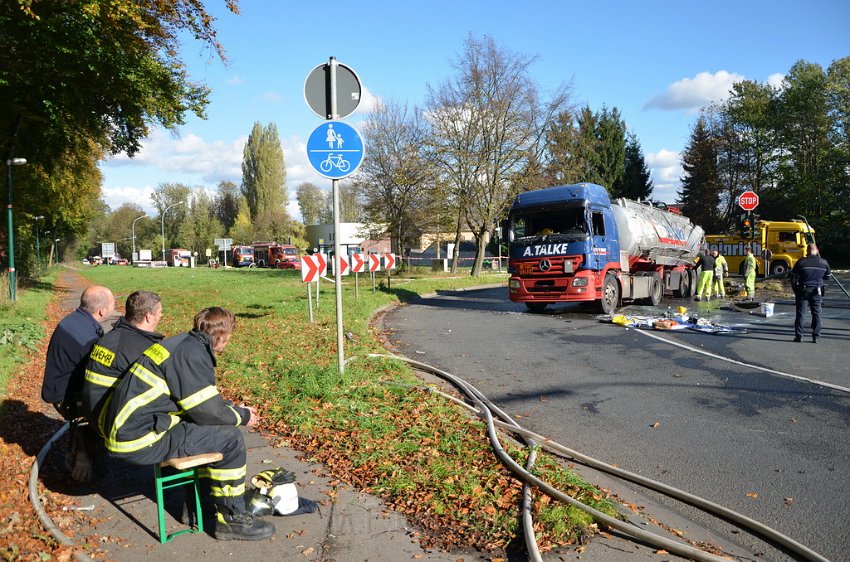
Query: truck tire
[[610, 295], [684, 290], [656, 290], [779, 267], [535, 306]]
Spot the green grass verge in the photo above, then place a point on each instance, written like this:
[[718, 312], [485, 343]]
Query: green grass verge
[[373, 424], [21, 324]]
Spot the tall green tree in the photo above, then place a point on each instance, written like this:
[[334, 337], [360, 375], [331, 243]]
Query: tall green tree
[[610, 149], [700, 193], [636, 182], [263, 171], [200, 227], [172, 203], [226, 204], [312, 202]]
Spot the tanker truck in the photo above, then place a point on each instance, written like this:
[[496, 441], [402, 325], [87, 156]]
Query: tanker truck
[[571, 243]]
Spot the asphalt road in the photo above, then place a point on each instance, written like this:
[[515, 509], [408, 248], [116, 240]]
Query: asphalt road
[[770, 446]]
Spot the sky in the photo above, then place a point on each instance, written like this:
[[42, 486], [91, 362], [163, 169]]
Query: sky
[[658, 62]]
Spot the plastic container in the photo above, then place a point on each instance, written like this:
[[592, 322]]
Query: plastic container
[[767, 309]]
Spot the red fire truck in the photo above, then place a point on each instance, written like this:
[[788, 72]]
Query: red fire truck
[[278, 256]]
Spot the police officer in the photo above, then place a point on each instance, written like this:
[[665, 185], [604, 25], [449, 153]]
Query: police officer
[[808, 279], [167, 406], [113, 354]]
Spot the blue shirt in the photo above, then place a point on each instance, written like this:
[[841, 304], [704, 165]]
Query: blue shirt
[[67, 355]]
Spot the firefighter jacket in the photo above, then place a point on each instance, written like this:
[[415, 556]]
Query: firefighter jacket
[[66, 356], [109, 359], [172, 381], [721, 268]]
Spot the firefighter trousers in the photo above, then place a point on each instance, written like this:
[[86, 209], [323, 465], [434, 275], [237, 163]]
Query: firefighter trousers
[[226, 477]]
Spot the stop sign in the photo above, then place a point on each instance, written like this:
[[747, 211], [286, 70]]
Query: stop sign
[[748, 200]]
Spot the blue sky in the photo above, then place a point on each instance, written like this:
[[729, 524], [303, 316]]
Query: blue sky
[[657, 62]]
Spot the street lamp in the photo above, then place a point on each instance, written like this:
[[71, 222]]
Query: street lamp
[[58, 255], [37, 245], [9, 163], [134, 236], [162, 226]]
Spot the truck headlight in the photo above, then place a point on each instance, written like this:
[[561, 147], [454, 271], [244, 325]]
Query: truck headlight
[[513, 283], [580, 282]]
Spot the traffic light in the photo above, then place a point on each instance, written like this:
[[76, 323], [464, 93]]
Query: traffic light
[[748, 228]]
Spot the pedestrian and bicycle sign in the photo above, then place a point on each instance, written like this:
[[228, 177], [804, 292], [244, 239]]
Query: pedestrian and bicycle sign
[[335, 149]]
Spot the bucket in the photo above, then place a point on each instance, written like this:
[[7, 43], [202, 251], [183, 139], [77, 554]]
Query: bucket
[[767, 309]]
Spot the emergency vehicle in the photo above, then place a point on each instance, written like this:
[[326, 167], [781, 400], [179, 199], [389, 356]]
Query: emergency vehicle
[[242, 256], [178, 257], [278, 256], [782, 243]]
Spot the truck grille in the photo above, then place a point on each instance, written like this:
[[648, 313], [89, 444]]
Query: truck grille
[[554, 265]]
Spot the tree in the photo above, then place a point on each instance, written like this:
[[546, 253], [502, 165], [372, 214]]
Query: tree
[[199, 229], [610, 149], [312, 201], [350, 205], [394, 177], [700, 194], [263, 171], [636, 183], [174, 198], [488, 124], [226, 204]]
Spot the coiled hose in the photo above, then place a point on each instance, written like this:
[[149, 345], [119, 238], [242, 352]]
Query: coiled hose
[[484, 408]]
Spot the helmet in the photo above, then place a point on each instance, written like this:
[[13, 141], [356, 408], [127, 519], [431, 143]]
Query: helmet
[[272, 477], [259, 504], [284, 498]]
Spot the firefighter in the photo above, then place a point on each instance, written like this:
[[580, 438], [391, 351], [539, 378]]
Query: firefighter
[[705, 261], [721, 270], [113, 354], [750, 273], [168, 406]]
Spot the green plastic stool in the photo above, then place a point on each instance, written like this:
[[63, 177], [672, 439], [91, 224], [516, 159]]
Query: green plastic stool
[[186, 474]]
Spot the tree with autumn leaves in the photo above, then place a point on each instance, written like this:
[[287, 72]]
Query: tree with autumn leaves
[[83, 79]]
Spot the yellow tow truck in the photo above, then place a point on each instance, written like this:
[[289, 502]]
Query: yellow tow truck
[[780, 243]]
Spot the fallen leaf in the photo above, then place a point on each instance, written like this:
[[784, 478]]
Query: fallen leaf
[[661, 551], [307, 551], [656, 424], [789, 501], [753, 495]]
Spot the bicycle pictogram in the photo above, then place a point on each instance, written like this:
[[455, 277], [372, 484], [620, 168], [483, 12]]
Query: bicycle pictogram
[[335, 161]]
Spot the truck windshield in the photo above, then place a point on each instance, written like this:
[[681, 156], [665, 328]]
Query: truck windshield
[[290, 251], [558, 225]]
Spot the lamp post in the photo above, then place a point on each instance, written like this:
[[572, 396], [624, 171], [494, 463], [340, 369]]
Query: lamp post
[[9, 163], [37, 244], [50, 258], [162, 226], [133, 257], [58, 255]]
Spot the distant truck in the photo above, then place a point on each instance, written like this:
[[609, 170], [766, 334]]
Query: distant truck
[[178, 257], [279, 256], [571, 243], [782, 243], [242, 256]]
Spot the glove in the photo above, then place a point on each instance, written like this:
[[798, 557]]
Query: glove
[[273, 477], [81, 469]]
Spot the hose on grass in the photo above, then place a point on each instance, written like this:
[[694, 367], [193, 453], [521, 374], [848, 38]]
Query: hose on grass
[[484, 408]]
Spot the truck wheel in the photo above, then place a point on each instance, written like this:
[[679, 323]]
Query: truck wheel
[[684, 290], [778, 268], [535, 306], [656, 290], [610, 295]]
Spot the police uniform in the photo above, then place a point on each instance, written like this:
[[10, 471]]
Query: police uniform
[[167, 406], [808, 279], [108, 361], [66, 361]]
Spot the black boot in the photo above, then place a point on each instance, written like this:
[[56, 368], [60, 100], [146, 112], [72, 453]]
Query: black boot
[[241, 527]]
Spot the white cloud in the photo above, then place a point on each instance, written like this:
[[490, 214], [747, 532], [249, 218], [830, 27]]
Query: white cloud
[[776, 80], [117, 196], [666, 168], [691, 94], [235, 80]]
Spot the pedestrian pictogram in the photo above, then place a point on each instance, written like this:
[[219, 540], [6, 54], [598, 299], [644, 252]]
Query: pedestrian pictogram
[[313, 267], [335, 149]]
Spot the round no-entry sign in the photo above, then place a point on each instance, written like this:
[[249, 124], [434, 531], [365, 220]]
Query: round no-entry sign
[[748, 200]]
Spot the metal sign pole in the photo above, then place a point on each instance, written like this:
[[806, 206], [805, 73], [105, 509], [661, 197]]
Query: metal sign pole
[[356, 285], [338, 268], [310, 301]]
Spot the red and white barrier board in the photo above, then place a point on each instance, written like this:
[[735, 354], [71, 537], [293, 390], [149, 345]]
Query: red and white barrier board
[[313, 267]]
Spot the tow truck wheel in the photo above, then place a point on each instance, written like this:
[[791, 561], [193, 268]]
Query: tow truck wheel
[[778, 268], [535, 306], [610, 295]]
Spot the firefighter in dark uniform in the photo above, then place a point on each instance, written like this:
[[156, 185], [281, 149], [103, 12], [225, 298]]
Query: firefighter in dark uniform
[[112, 355], [808, 279], [168, 406]]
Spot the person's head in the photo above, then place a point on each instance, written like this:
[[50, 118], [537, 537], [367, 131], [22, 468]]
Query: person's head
[[143, 309], [98, 301], [812, 249], [218, 323], [748, 250], [715, 253]]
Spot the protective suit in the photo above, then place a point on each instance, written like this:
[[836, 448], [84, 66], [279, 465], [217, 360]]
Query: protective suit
[[750, 275], [721, 270]]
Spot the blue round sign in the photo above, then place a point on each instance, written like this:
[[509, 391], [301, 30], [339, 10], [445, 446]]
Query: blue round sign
[[335, 149]]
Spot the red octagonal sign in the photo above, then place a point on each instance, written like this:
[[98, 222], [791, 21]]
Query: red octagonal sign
[[748, 200]]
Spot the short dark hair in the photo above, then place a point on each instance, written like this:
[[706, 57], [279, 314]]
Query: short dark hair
[[216, 322], [138, 304]]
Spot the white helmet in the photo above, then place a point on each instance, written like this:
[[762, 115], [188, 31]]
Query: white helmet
[[284, 498]]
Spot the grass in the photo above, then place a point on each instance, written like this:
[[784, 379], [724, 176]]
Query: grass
[[373, 425], [21, 324]]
